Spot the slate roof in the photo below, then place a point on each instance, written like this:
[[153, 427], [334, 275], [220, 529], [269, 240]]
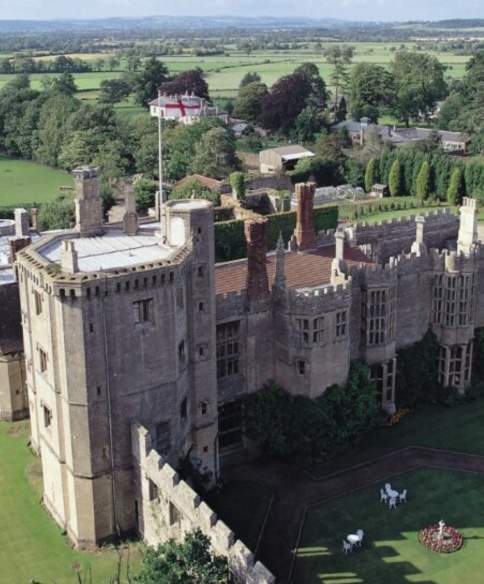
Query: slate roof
[[307, 269]]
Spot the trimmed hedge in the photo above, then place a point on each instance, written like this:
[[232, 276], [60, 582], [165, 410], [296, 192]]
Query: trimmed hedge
[[230, 241]]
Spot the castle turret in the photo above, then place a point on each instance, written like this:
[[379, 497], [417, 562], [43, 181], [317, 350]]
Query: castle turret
[[468, 226], [89, 206], [304, 232], [257, 280]]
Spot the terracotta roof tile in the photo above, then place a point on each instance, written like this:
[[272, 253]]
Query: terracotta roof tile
[[306, 269], [206, 181]]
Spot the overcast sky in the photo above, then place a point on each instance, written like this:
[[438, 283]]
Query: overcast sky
[[347, 9]]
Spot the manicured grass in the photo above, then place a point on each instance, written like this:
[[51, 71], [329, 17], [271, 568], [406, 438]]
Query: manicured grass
[[391, 552], [459, 428], [23, 182], [32, 547]]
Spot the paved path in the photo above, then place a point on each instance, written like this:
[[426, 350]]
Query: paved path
[[295, 490]]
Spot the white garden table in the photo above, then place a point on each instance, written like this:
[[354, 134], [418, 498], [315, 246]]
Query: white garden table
[[352, 538]]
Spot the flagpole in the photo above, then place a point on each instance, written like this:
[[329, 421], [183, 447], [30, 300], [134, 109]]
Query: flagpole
[[160, 155]]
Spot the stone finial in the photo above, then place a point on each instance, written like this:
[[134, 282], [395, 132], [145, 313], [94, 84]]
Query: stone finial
[[338, 265], [257, 279], [22, 222], [418, 246], [468, 226], [305, 232], [89, 205], [130, 218], [68, 257], [280, 278]]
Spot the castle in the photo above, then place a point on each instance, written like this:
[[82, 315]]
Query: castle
[[137, 345]]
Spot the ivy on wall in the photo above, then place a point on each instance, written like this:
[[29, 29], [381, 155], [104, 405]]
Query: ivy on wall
[[230, 241]]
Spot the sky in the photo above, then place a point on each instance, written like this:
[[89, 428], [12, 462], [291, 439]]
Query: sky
[[383, 10]]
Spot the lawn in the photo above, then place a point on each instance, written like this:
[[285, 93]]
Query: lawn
[[32, 547], [391, 553], [433, 426], [24, 182]]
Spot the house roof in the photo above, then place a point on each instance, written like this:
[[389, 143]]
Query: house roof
[[290, 152], [307, 269], [206, 181]]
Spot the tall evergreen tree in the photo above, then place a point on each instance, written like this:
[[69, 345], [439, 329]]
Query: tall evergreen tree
[[395, 179], [423, 181], [455, 190], [370, 174]]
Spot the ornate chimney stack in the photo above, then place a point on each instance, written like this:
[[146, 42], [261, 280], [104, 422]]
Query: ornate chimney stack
[[68, 257], [89, 205], [130, 218], [304, 232], [468, 226], [280, 278], [338, 265], [257, 280], [418, 246]]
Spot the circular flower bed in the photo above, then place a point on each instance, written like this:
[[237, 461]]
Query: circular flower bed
[[451, 539]]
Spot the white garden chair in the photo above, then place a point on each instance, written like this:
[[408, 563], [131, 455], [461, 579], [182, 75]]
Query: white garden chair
[[383, 496], [347, 547], [402, 497], [392, 504], [361, 534], [388, 488]]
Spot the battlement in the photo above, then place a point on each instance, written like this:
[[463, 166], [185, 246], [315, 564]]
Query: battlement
[[432, 215], [170, 508]]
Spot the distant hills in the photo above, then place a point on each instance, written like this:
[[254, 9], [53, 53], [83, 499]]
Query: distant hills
[[218, 22]]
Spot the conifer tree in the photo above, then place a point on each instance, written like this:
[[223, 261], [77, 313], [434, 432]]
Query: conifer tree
[[454, 192], [370, 174], [395, 179], [423, 181]]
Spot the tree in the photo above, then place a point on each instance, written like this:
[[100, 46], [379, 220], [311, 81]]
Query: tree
[[186, 82], [340, 59], [64, 84], [370, 175], [114, 90], [419, 84], [189, 562], [372, 90], [341, 110], [395, 179], [249, 77], [422, 184], [215, 154], [249, 101], [308, 123], [147, 81], [194, 189], [145, 190], [237, 182], [455, 190], [57, 214], [319, 95], [285, 101]]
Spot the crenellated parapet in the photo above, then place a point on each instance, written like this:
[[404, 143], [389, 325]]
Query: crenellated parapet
[[170, 508], [319, 300], [230, 304]]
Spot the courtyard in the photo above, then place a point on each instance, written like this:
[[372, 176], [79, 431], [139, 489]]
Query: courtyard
[[391, 551]]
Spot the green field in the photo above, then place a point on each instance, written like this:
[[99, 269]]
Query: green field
[[391, 553], [224, 72], [23, 182], [32, 547]]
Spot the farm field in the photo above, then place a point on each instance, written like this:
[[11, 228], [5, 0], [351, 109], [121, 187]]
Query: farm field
[[33, 548], [224, 72], [23, 182], [390, 550]]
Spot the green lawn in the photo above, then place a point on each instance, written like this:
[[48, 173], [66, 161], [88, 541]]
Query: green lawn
[[32, 547], [23, 182], [391, 553], [433, 426]]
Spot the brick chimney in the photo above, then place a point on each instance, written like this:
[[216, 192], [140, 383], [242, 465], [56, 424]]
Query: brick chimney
[[418, 246], [257, 280], [22, 222], [16, 245], [130, 218], [304, 232]]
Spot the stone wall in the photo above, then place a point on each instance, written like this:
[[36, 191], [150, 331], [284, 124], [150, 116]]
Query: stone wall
[[169, 508]]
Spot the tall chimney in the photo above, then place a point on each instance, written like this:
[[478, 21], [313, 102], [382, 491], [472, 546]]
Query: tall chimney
[[468, 226], [280, 277], [304, 232], [89, 205], [418, 246], [130, 218], [257, 280], [16, 244], [338, 265], [22, 222], [34, 218], [68, 257]]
